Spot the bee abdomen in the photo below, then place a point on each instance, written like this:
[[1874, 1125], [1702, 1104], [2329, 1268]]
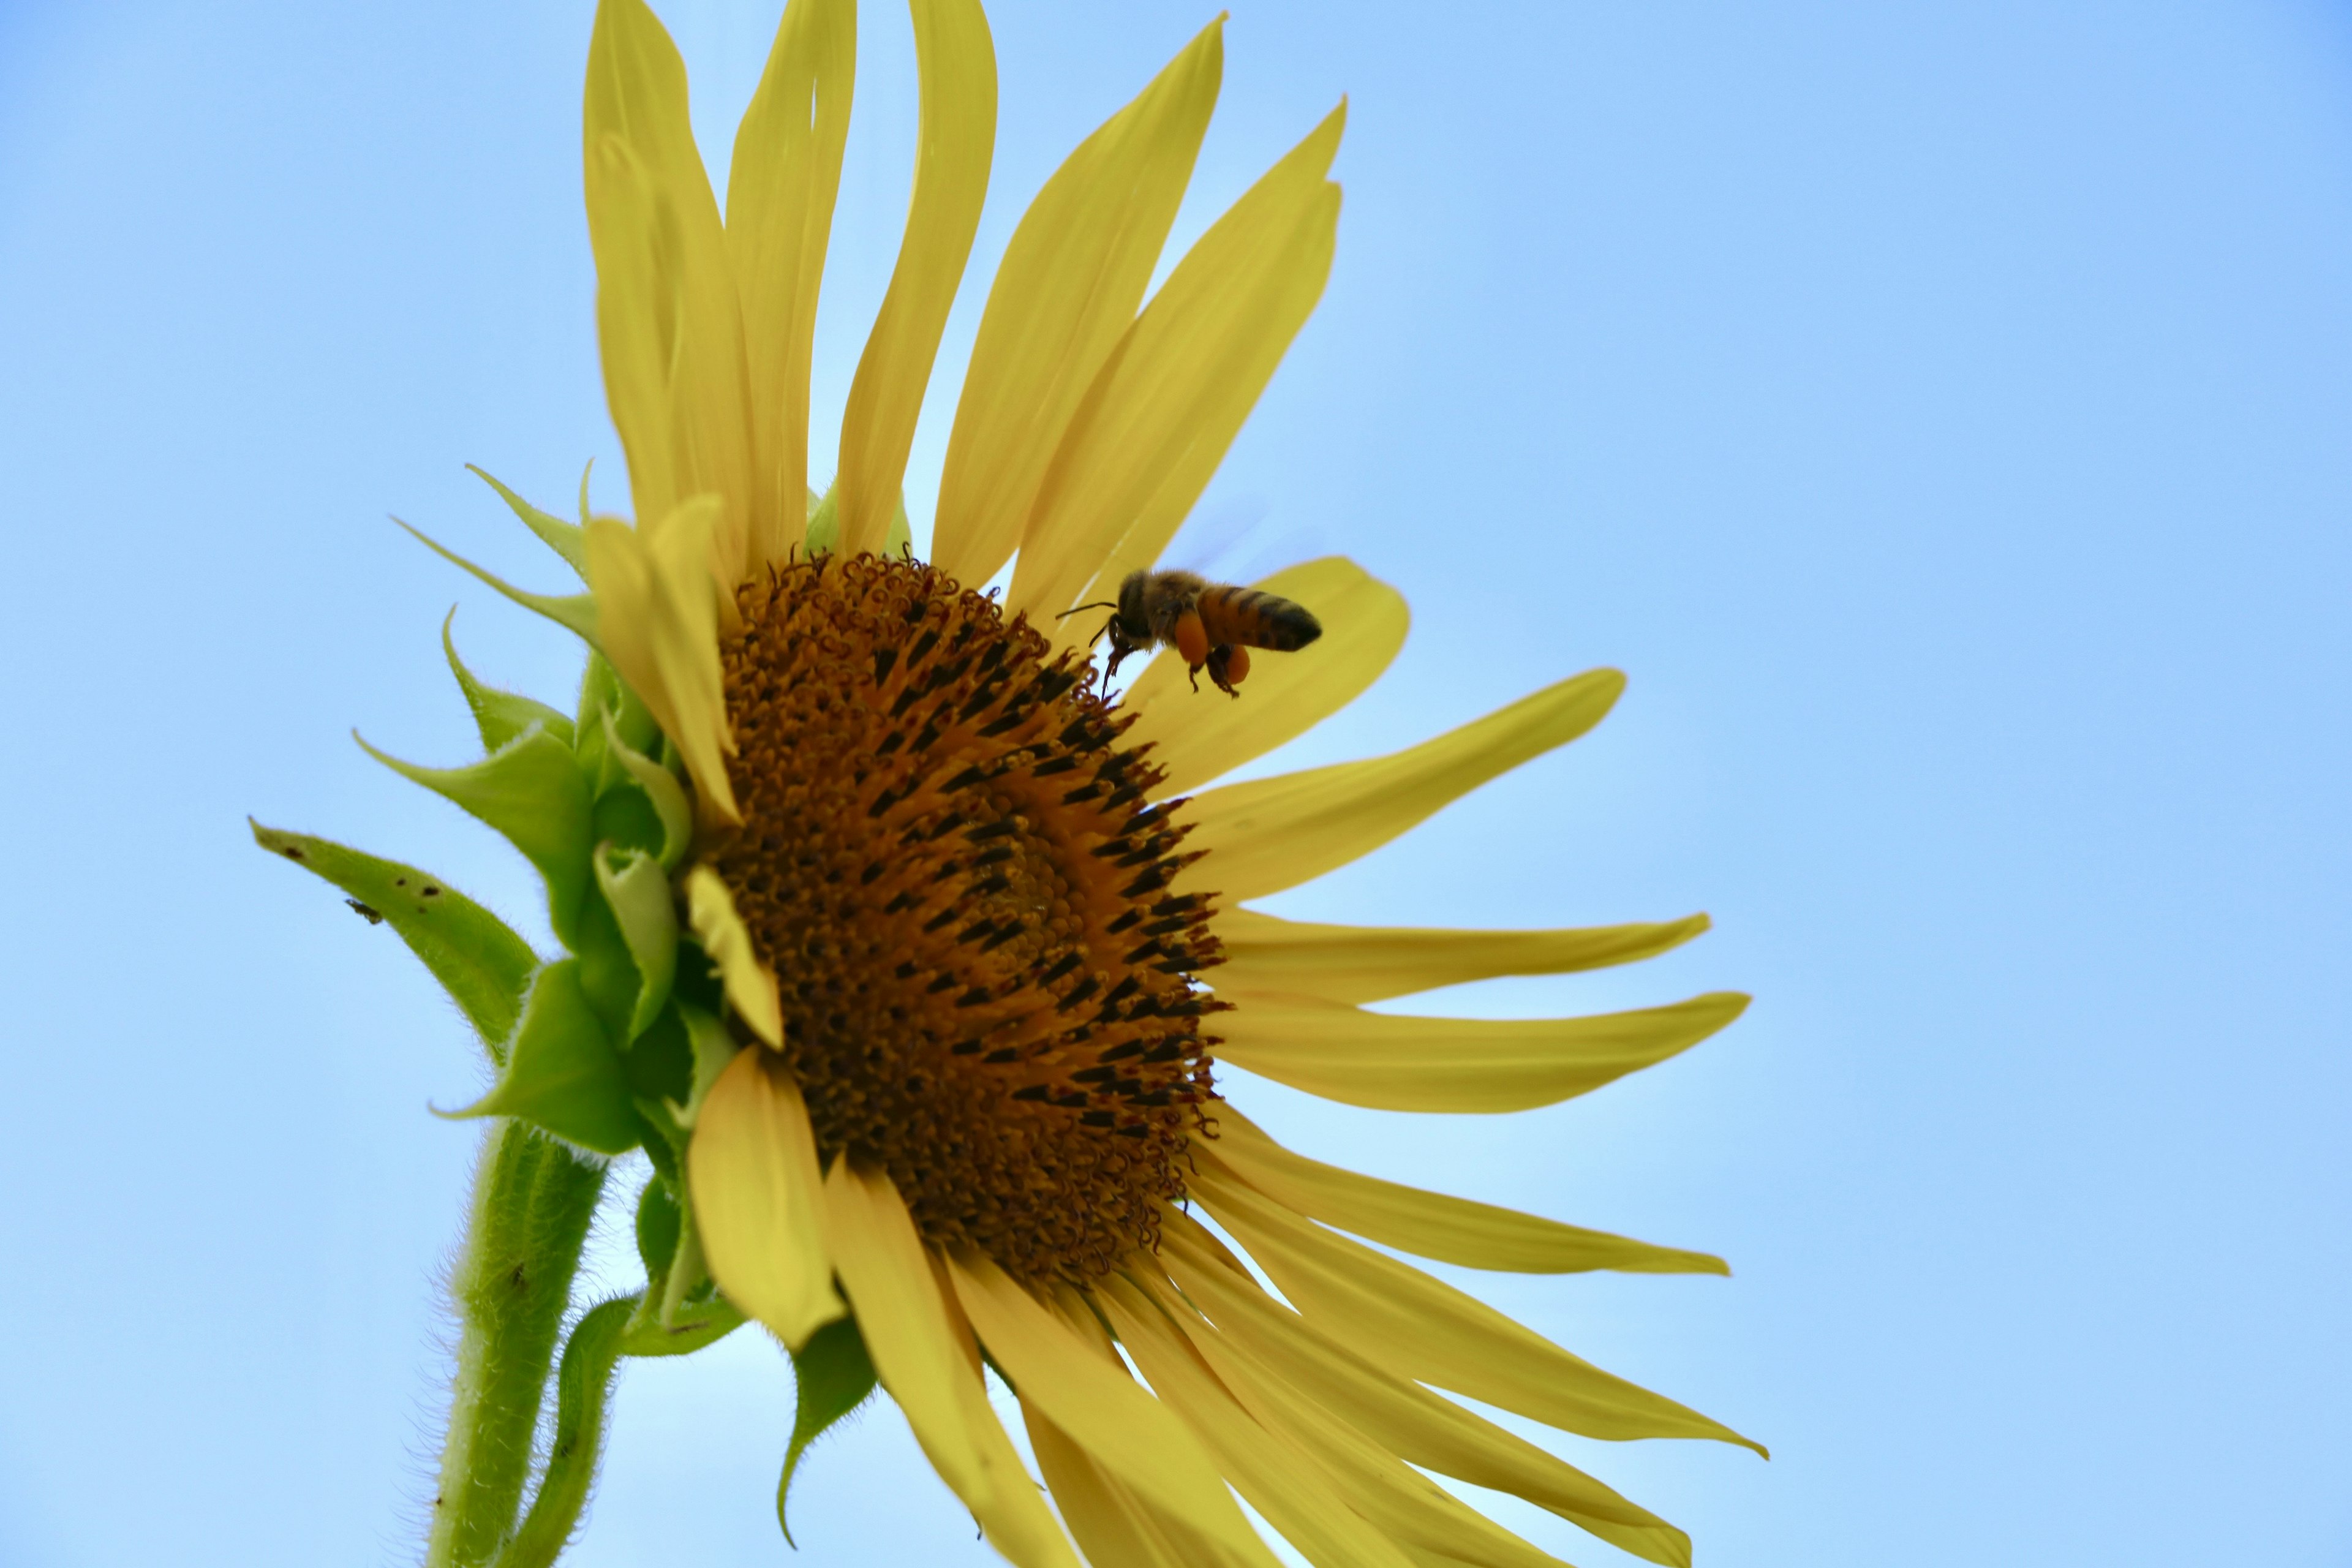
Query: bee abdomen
[[1256, 619]]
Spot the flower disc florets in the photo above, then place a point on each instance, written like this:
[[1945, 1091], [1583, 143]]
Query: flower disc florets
[[950, 863]]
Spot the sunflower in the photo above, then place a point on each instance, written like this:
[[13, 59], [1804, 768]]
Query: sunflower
[[911, 956]]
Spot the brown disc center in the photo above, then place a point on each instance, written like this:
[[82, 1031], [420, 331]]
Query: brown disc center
[[950, 863]]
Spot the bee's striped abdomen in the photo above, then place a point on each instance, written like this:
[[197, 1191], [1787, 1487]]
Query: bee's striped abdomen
[[1254, 619]]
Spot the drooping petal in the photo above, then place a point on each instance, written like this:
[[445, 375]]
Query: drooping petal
[[1364, 623], [750, 988], [753, 1171], [1405, 1504], [1111, 1526], [666, 316], [659, 608], [779, 194], [1280, 1481], [1419, 1426], [1476, 1065], [918, 1350], [1067, 289], [1430, 1224], [1167, 404], [1271, 834], [1423, 1329], [1131, 1434], [957, 64]]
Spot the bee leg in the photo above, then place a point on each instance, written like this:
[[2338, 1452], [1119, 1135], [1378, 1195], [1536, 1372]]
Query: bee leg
[[1228, 663]]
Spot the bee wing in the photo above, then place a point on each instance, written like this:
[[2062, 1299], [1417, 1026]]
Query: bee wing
[[1233, 541]]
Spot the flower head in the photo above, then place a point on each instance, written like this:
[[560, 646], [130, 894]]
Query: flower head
[[973, 933]]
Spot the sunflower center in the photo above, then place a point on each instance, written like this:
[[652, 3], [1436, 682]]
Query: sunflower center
[[948, 862]]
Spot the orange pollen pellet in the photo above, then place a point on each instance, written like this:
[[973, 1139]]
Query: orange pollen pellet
[[953, 869]]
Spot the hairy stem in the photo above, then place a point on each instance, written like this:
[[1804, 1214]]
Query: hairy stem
[[532, 1201], [582, 1385]]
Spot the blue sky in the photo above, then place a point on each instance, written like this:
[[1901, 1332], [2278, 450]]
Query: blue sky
[[1939, 412]]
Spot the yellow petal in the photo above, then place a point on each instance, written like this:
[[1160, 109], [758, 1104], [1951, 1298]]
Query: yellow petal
[[1474, 1065], [1423, 1329], [916, 1337], [1067, 288], [1156, 422], [779, 195], [1280, 1481], [1287, 694], [957, 68], [1125, 1429], [753, 1171], [1430, 1224], [1111, 1526], [904, 1326], [665, 308], [1371, 963], [1417, 1426], [1411, 1508], [657, 614], [750, 988], [1271, 834]]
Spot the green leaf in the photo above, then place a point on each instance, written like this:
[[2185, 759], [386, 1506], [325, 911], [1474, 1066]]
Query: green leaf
[[832, 1376], [561, 1074], [484, 966], [661, 790], [576, 612], [636, 890], [563, 538], [659, 1221], [531, 790], [500, 716]]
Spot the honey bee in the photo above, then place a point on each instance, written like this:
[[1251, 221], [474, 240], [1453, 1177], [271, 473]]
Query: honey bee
[[1211, 625]]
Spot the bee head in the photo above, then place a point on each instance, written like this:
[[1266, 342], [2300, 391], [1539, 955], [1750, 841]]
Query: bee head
[[1130, 629]]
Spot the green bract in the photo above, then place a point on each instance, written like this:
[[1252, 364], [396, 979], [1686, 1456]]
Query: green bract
[[607, 1048]]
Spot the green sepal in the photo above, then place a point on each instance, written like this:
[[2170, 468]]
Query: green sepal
[[576, 612], [568, 540], [671, 808], [697, 1324], [532, 792], [823, 535], [659, 1066], [636, 890], [482, 964], [824, 531], [659, 1223], [561, 1075], [831, 1375], [500, 716], [714, 1046]]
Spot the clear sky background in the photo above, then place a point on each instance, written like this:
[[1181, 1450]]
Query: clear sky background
[[1938, 410]]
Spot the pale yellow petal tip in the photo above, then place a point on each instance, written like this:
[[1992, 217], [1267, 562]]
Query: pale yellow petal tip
[[751, 1169], [659, 605], [750, 989]]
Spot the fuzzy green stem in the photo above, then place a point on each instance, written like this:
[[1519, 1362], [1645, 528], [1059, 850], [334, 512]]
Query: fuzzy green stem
[[532, 1201], [583, 1384]]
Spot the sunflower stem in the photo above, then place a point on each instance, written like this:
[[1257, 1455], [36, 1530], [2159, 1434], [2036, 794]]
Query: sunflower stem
[[532, 1204]]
